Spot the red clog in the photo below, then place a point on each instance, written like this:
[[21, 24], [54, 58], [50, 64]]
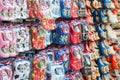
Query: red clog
[[113, 59]]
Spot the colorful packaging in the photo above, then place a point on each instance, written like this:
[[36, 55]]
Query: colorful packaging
[[22, 68], [63, 55], [50, 60], [23, 38], [86, 70], [5, 72], [74, 9], [75, 57], [38, 37], [8, 41], [75, 31], [65, 7], [57, 71], [45, 9], [7, 9], [20, 11], [39, 67], [81, 8], [55, 8], [62, 33]]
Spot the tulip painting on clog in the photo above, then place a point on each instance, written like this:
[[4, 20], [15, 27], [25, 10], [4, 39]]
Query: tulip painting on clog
[[31, 13], [20, 11], [7, 8], [4, 14]]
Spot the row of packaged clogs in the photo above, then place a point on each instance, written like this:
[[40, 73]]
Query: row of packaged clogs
[[61, 63], [23, 9], [15, 9], [107, 18], [23, 37]]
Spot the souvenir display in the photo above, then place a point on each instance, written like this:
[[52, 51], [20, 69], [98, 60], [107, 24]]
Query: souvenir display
[[59, 40]]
